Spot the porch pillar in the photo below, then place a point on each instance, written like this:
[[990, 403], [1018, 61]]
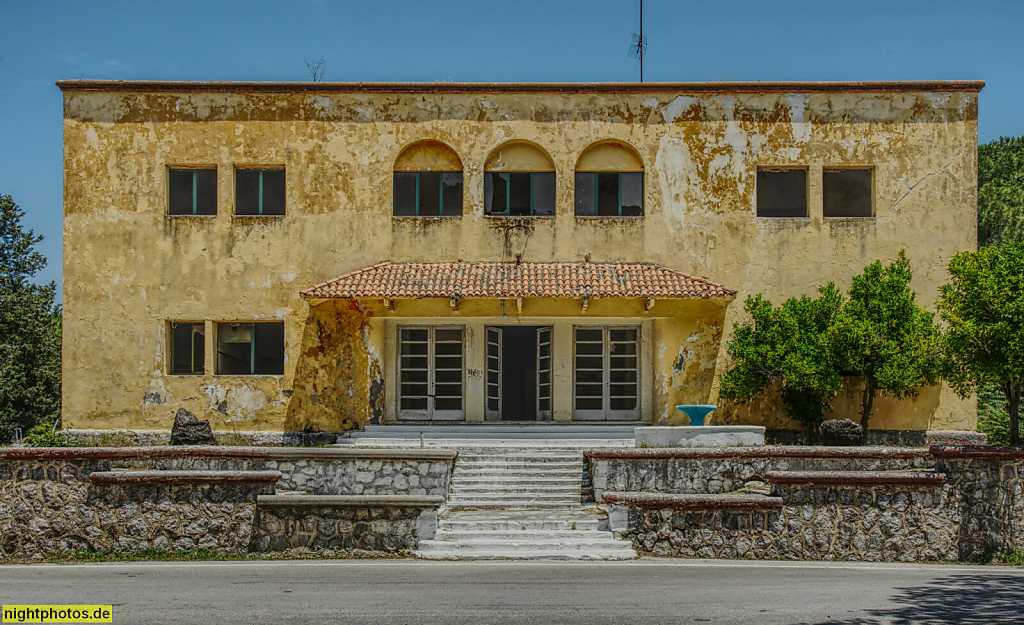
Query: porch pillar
[[561, 371]]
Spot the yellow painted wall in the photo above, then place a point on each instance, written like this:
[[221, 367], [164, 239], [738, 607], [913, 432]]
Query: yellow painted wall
[[128, 267]]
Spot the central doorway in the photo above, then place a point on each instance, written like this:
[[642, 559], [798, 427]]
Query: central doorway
[[518, 373]]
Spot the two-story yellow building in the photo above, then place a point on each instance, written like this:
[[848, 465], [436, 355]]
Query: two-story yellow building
[[273, 256]]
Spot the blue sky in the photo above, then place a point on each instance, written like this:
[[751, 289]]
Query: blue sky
[[527, 40]]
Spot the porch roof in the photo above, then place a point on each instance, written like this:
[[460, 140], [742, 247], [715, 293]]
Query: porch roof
[[514, 280]]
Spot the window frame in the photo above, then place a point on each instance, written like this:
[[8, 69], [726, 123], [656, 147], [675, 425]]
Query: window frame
[[783, 168], [597, 174], [440, 194], [252, 346], [171, 325], [606, 413], [490, 175], [261, 169], [431, 413], [837, 168], [195, 189]]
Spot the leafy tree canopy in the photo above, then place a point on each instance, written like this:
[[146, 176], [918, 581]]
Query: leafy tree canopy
[[1001, 191], [884, 337], [787, 346], [30, 327], [983, 306]]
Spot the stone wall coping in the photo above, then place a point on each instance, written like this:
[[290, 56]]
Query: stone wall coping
[[977, 451], [683, 453], [412, 501], [694, 501], [184, 477], [203, 451], [870, 478]]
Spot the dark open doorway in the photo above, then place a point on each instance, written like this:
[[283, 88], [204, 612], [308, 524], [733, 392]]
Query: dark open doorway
[[519, 374]]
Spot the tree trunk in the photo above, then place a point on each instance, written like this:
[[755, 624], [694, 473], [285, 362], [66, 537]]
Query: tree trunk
[[869, 399], [1013, 392]]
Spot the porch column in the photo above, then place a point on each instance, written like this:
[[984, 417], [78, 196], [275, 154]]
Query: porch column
[[476, 353], [561, 371]]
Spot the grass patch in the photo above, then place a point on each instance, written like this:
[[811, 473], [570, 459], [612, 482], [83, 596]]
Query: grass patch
[[233, 439], [109, 439]]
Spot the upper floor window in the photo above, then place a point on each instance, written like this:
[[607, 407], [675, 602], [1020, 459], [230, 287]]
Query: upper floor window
[[781, 192], [428, 181], [519, 180], [848, 192], [259, 191], [610, 182], [250, 348], [192, 191]]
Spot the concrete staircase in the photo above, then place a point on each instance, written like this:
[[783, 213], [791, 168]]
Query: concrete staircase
[[493, 436], [521, 503]]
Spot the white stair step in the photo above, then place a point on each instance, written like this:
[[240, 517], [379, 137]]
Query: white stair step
[[532, 544], [512, 487], [565, 536], [552, 525]]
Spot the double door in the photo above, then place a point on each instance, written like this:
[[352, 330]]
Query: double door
[[518, 375]]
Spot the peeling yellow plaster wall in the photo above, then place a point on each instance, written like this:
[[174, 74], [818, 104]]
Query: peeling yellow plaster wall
[[129, 268]]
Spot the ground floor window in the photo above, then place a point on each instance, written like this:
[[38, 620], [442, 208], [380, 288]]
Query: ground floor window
[[188, 347], [606, 373], [431, 373], [250, 348]]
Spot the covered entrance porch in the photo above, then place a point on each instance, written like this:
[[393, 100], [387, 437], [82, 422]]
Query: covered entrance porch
[[541, 343]]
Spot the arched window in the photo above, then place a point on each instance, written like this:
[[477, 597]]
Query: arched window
[[610, 181], [428, 181], [519, 180]]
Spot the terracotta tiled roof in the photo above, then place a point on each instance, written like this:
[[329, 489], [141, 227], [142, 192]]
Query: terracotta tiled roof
[[511, 280]]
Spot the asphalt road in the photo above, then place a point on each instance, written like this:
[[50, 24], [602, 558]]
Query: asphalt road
[[650, 591]]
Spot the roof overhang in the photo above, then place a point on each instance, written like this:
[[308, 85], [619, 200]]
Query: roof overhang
[[461, 280]]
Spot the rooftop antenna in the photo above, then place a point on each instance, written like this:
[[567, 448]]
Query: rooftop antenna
[[638, 48]]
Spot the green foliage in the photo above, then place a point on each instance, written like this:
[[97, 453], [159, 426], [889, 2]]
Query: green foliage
[[884, 337], [233, 439], [30, 328], [44, 435], [983, 306], [993, 418], [114, 438], [787, 347], [1001, 191]]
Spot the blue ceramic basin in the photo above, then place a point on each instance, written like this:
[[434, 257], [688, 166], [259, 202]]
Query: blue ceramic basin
[[696, 412]]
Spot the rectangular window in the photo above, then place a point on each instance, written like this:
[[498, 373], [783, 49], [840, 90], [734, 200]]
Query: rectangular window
[[606, 373], [519, 194], [250, 348], [430, 373], [610, 194], [781, 192], [848, 192], [188, 347], [259, 191], [427, 194], [192, 191]]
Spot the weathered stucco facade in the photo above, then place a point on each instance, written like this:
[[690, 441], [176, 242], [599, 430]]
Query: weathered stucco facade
[[130, 268]]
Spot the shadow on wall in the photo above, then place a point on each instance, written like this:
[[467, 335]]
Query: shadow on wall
[[333, 376], [888, 413], [959, 599]]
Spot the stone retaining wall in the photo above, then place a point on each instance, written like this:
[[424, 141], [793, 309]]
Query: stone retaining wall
[[75, 499], [343, 525], [725, 469]]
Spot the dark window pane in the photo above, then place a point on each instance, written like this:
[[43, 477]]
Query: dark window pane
[[247, 192], [622, 335], [585, 199], [183, 356], [448, 362], [519, 194], [448, 349], [589, 390], [608, 195], [623, 403], [430, 194], [405, 193], [234, 358], [414, 376], [180, 190], [584, 349], [782, 193], [415, 335], [206, 191], [632, 187], [589, 335], [847, 193], [452, 181], [270, 348], [593, 377], [409, 403], [588, 404], [414, 389], [198, 348], [448, 335], [495, 197], [273, 192], [544, 193], [453, 403]]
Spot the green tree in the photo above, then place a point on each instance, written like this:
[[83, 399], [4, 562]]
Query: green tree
[[30, 326], [983, 307], [1001, 191], [884, 337], [787, 347]]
